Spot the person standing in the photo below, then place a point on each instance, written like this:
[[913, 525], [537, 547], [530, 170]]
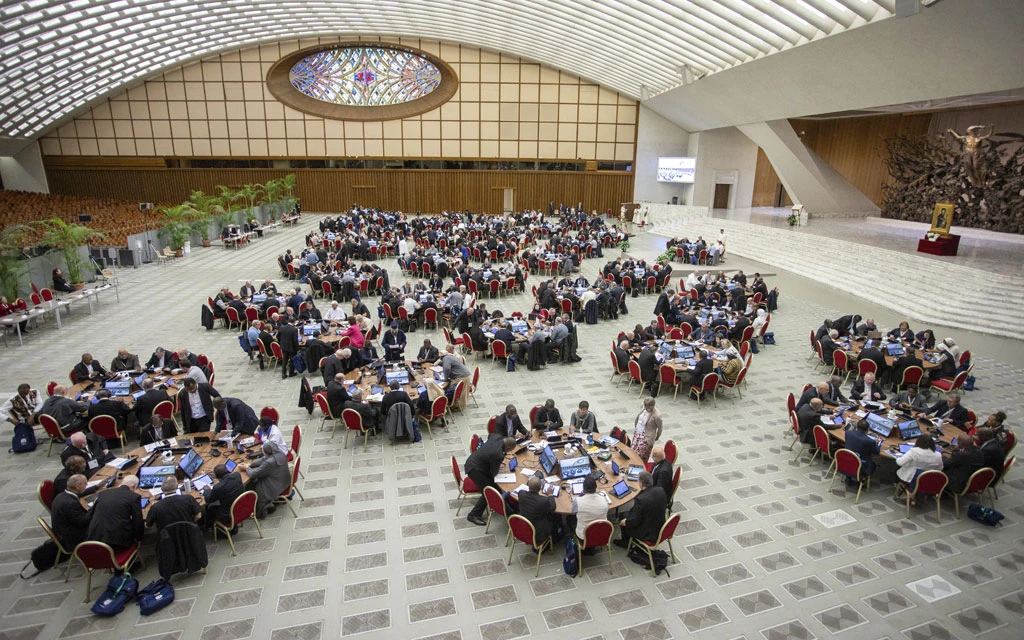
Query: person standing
[[481, 467], [288, 338], [646, 429]]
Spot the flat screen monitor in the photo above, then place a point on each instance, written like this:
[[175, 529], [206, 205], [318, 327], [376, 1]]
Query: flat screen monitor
[[575, 467], [310, 329], [895, 349], [518, 327], [677, 169], [119, 387], [259, 298], [190, 463], [401, 377], [548, 460], [151, 477]]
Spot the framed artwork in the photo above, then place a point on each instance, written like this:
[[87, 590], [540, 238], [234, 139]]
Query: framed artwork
[[942, 218]]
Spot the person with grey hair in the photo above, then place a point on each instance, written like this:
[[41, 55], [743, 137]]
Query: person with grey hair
[[117, 516], [90, 447], [645, 519], [70, 520], [950, 410], [172, 507], [269, 476], [539, 509], [364, 409]]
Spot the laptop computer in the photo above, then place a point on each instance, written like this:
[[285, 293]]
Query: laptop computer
[[142, 378], [878, 424], [118, 387], [621, 488], [548, 460], [151, 477], [310, 329], [895, 349], [909, 430], [402, 377], [634, 471], [575, 467], [259, 298], [685, 352], [190, 463]]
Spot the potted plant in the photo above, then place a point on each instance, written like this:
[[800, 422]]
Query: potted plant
[[12, 259], [793, 219], [288, 187], [204, 208], [68, 237], [229, 201], [177, 226], [668, 256], [274, 192], [250, 195], [624, 246]]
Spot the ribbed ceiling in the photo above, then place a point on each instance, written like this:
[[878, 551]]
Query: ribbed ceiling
[[56, 57]]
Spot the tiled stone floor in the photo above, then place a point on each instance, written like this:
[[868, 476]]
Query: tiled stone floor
[[764, 549]]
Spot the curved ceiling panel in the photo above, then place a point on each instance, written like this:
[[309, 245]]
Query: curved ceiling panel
[[56, 57]]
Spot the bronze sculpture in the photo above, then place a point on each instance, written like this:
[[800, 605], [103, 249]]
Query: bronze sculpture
[[972, 156]]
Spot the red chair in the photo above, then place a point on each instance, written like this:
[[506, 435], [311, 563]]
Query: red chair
[[325, 409], [353, 422], [627, 282], [814, 346], [748, 333], [675, 333], [252, 314], [950, 384], [523, 531], [708, 385], [494, 288], [670, 451], [687, 329], [286, 494], [474, 443], [496, 505], [1002, 476], [822, 443], [865, 366], [54, 430], [473, 386], [437, 410], [635, 376], [675, 486], [791, 403], [277, 355], [327, 289], [929, 483], [533, 413], [744, 349], [597, 534], [98, 555], [977, 483], [466, 485], [651, 284], [271, 412], [243, 508], [615, 369], [490, 425], [50, 387], [429, 318], [106, 428], [667, 375], [702, 257], [841, 364], [61, 551], [293, 450], [794, 426], [499, 350], [735, 386], [165, 410], [667, 531], [1011, 441], [848, 463], [911, 375], [44, 491], [231, 317], [202, 359]]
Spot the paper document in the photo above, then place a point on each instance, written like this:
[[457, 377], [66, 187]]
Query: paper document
[[505, 478], [117, 463], [93, 483], [521, 487]]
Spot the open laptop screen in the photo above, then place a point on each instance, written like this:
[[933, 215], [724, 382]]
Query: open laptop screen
[[548, 460], [575, 467]]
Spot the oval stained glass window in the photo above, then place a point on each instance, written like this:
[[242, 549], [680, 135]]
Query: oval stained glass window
[[359, 81], [365, 76]]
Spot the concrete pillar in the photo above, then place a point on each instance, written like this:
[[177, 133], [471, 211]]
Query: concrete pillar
[[24, 171]]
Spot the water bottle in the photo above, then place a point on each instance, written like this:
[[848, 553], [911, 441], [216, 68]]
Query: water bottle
[[186, 487]]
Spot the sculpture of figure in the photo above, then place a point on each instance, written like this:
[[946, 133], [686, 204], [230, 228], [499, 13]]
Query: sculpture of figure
[[972, 156]]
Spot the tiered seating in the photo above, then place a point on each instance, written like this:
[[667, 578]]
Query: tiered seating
[[116, 219], [922, 288]]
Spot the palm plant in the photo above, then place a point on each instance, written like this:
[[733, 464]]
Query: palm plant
[[288, 186], [204, 208], [177, 226], [274, 192], [250, 194], [12, 259], [67, 237], [229, 200]]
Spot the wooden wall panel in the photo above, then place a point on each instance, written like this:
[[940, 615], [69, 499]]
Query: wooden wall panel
[[337, 189], [855, 147]]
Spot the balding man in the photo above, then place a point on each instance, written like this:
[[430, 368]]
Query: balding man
[[148, 400], [88, 369], [662, 470], [90, 448], [819, 390], [350, 360], [647, 515], [125, 361], [268, 477], [867, 390], [539, 508], [335, 314], [70, 520], [172, 508], [828, 345], [117, 516], [807, 417], [332, 366], [337, 394]]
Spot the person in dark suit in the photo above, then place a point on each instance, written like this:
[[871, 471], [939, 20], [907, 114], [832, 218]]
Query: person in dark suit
[[74, 465], [60, 283], [645, 519], [269, 477], [125, 361], [481, 467], [950, 410], [867, 389], [663, 306], [649, 369], [828, 346], [653, 331], [835, 394], [846, 325], [736, 332], [909, 400], [332, 367], [106, 406], [622, 355], [89, 369], [337, 394], [961, 463], [509, 424], [161, 359], [148, 400], [908, 359], [704, 367], [547, 417], [992, 450], [819, 390], [807, 417], [288, 338], [233, 414], [428, 353], [365, 410], [662, 470], [396, 395], [539, 508], [196, 402], [88, 446], [505, 335], [866, 447], [117, 516], [69, 519], [875, 355], [157, 429], [350, 360], [219, 497], [394, 342], [172, 508]]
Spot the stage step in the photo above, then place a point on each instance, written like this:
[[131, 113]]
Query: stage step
[[925, 290]]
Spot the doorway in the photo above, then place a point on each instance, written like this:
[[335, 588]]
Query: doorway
[[722, 192], [508, 200], [781, 197]]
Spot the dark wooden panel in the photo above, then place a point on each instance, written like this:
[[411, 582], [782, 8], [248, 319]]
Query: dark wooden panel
[[407, 190]]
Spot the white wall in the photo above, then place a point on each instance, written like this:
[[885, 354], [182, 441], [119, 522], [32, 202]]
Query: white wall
[[656, 137], [24, 170], [726, 152]]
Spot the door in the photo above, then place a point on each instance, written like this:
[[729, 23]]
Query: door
[[722, 196], [508, 200], [781, 197]]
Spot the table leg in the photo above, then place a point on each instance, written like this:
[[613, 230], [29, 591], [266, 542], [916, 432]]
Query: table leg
[[56, 314], [89, 298]]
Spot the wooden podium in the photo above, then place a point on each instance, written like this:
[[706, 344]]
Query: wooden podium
[[942, 246]]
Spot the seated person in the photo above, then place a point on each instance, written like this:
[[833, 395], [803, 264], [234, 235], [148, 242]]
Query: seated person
[[337, 394], [547, 417], [125, 361], [90, 447], [901, 333], [509, 424], [590, 507], [583, 419], [647, 516], [819, 390], [69, 519], [992, 450], [160, 360], [866, 389], [866, 447], [269, 433], [364, 409], [68, 413], [922, 457], [269, 476], [172, 508], [428, 353], [808, 416], [104, 405], [88, 369], [335, 314], [60, 283], [950, 410], [395, 396], [220, 496], [909, 400], [959, 464], [117, 516], [74, 464], [157, 429], [539, 509]]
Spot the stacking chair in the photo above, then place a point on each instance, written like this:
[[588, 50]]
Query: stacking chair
[[243, 508], [911, 375], [794, 425], [438, 408], [522, 530], [325, 409], [473, 385], [979, 481], [98, 555], [474, 442], [496, 505], [54, 430], [615, 369], [353, 422], [708, 385], [1007, 465], [675, 485], [929, 483], [946, 385], [665, 535], [283, 498], [231, 318], [821, 441], [106, 428], [499, 350], [735, 386], [667, 375], [597, 534], [61, 551], [841, 364], [44, 491], [465, 484], [866, 366], [849, 464], [635, 375]]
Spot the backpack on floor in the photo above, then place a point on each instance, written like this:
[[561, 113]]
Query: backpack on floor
[[660, 560], [571, 561], [984, 515], [43, 557], [119, 591], [511, 365], [769, 338], [24, 439], [155, 596]]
